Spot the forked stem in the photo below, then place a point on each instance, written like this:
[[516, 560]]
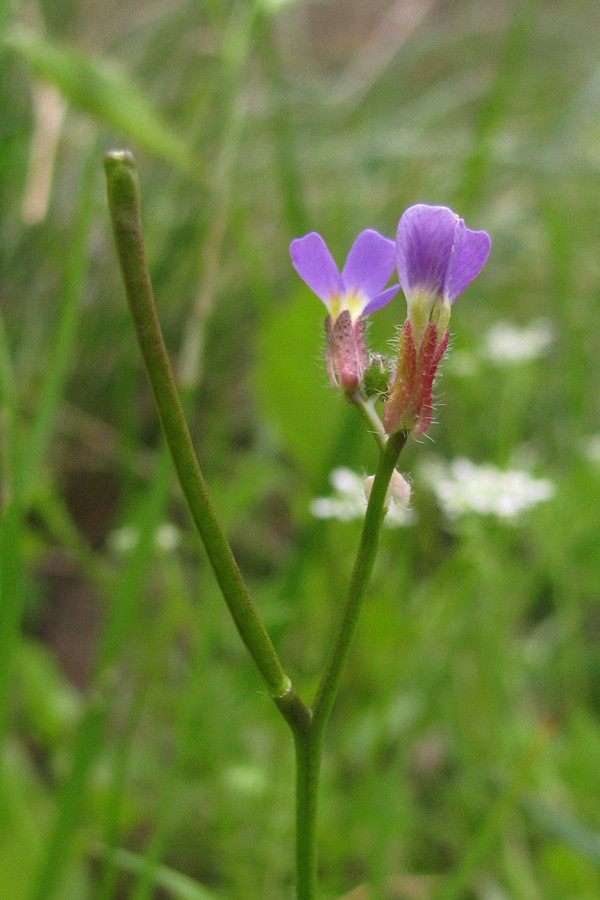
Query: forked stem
[[307, 725]]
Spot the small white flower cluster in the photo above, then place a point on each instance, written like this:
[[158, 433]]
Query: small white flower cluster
[[506, 344], [124, 539], [349, 501], [462, 487]]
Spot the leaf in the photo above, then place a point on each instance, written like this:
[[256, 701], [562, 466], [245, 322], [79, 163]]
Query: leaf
[[102, 89], [177, 885]]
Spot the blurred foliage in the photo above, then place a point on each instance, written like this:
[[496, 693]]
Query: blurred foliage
[[139, 757]]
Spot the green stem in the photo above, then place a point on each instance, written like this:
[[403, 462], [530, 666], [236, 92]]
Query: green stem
[[308, 747], [309, 737], [367, 410], [363, 567], [124, 204]]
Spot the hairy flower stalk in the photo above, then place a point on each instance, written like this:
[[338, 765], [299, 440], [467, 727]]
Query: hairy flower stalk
[[437, 257], [349, 297]]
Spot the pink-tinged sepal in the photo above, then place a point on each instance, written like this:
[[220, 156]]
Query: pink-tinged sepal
[[430, 362], [397, 410], [346, 353], [409, 404]]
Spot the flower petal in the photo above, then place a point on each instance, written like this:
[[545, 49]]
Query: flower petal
[[470, 259], [315, 265], [425, 241], [380, 300], [370, 264]]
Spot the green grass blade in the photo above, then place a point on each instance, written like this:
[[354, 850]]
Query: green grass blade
[[573, 833], [495, 107], [100, 88], [60, 352], [11, 527], [178, 886]]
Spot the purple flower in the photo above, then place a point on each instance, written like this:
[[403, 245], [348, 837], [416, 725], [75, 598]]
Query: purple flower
[[359, 288], [437, 257]]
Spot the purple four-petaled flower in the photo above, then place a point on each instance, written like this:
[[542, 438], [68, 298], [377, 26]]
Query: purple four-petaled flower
[[436, 254], [437, 257], [359, 287]]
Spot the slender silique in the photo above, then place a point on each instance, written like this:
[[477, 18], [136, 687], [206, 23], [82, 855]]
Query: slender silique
[[123, 199]]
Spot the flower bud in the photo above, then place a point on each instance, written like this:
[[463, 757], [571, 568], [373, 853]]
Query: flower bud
[[377, 375], [399, 490], [346, 354]]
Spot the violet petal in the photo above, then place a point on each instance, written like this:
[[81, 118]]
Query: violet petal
[[470, 259], [426, 237], [315, 265], [369, 265], [380, 300]]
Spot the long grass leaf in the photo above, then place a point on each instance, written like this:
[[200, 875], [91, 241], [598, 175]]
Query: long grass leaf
[[99, 87], [178, 886]]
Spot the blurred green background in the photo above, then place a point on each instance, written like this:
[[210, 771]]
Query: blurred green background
[[140, 758]]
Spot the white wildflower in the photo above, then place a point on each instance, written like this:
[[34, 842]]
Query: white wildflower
[[123, 540], [167, 537], [505, 344], [349, 501], [508, 344], [463, 487]]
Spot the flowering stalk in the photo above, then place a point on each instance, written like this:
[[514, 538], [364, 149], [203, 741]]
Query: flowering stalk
[[366, 408], [436, 256], [434, 264], [307, 725], [363, 566], [309, 740]]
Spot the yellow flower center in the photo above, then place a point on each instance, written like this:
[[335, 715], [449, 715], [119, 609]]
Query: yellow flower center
[[353, 301]]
